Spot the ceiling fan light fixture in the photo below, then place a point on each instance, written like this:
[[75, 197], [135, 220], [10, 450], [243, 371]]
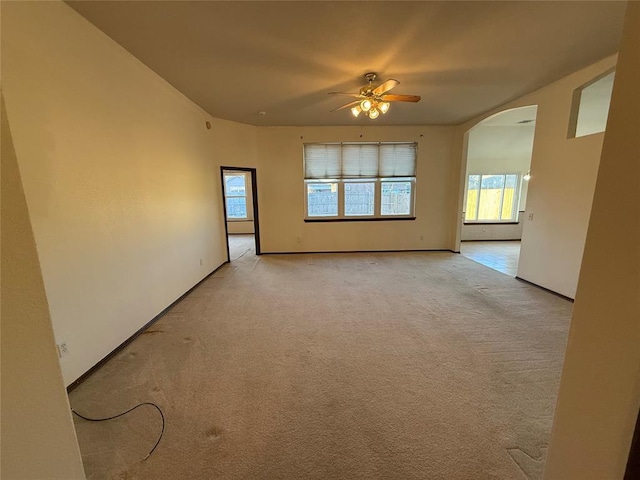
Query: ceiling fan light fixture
[[373, 100]]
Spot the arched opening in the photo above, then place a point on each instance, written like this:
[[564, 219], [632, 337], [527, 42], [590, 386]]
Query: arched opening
[[498, 169]]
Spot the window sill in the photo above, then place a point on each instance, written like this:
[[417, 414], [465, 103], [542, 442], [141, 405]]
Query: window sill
[[491, 223], [374, 219]]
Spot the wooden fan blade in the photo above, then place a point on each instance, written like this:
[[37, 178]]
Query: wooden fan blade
[[357, 95], [385, 87], [352, 104], [400, 98]]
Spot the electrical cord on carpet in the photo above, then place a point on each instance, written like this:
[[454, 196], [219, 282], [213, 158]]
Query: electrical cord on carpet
[[124, 413]]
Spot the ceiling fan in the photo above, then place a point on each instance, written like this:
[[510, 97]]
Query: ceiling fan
[[374, 100]]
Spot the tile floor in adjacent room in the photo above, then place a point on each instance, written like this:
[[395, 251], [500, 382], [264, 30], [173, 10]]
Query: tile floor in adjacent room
[[499, 255]]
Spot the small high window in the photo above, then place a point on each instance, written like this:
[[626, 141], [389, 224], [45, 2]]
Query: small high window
[[590, 107]]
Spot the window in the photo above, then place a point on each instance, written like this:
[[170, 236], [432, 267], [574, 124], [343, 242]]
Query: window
[[235, 193], [322, 199], [359, 180], [590, 107], [492, 198], [396, 198]]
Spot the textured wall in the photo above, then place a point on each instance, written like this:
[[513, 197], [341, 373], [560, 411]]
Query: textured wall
[[38, 438], [500, 149], [120, 173], [493, 231]]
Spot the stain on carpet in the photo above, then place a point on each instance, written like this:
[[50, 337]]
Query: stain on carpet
[[531, 465], [148, 332], [213, 433]]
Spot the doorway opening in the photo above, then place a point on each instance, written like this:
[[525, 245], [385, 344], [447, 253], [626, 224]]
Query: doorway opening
[[496, 182], [240, 203]]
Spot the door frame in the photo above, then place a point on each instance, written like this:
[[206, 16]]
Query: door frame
[[254, 195]]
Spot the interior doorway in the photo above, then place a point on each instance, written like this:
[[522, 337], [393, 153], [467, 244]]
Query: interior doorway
[[496, 183], [240, 203]]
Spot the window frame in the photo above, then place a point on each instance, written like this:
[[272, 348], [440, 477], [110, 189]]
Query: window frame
[[377, 181], [306, 199], [516, 200], [232, 173]]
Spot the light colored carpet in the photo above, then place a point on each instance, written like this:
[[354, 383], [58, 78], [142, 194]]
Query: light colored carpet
[[344, 366]]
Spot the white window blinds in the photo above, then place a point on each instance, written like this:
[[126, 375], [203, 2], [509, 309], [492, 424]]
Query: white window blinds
[[359, 160], [397, 160], [322, 160]]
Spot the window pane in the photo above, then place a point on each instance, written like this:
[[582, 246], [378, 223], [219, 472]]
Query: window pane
[[236, 207], [490, 197], [234, 185], [322, 199], [359, 198], [396, 198], [509, 207], [473, 188]]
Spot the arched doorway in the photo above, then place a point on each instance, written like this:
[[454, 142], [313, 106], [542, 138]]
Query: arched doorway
[[496, 181]]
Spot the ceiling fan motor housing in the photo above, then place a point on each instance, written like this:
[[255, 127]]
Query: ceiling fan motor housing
[[368, 89]]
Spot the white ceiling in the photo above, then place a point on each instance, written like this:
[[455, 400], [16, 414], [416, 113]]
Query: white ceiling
[[235, 59]]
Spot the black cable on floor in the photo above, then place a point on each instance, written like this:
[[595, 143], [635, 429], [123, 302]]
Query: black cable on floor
[[124, 413]]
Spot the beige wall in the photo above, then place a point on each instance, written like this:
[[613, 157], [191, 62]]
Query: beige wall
[[281, 192], [120, 173], [38, 438], [234, 144], [500, 149], [561, 187], [599, 393], [481, 231], [240, 227]]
